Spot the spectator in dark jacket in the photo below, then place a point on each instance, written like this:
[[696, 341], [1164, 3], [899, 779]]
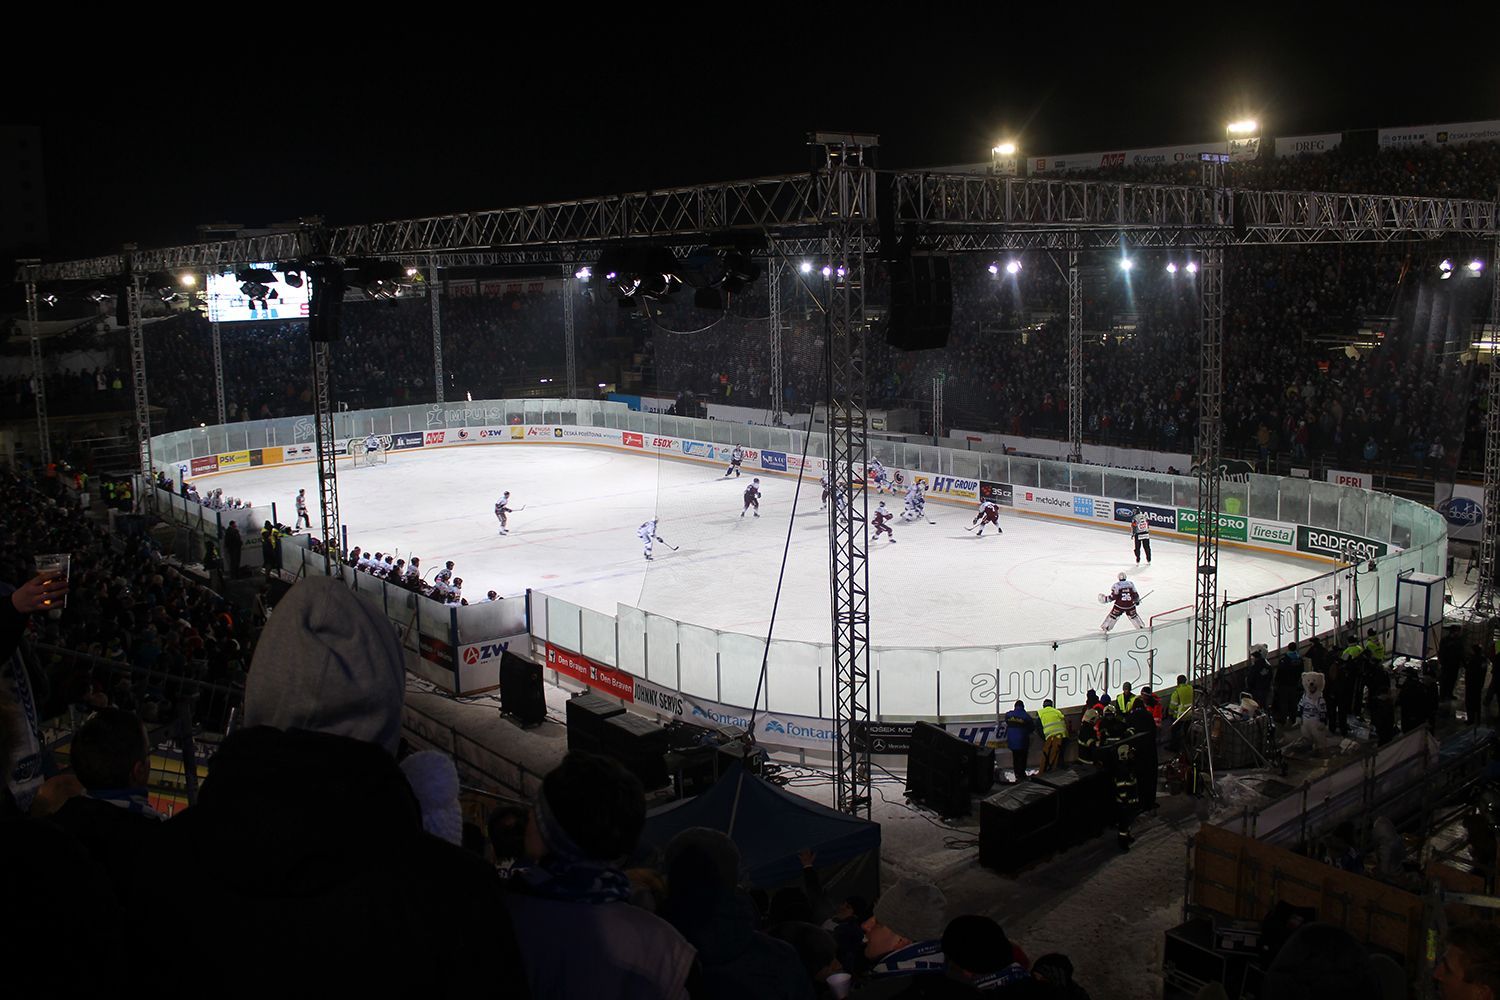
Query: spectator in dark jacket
[[234, 542], [1288, 686], [1019, 725]]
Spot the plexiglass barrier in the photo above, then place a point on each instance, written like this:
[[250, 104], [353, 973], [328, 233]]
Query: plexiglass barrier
[[724, 668]]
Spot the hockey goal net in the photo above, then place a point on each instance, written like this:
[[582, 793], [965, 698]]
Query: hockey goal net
[[358, 448]]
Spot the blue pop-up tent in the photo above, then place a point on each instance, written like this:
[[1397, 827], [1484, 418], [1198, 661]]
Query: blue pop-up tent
[[770, 827]]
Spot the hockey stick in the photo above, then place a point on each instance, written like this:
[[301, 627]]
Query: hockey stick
[[666, 543]]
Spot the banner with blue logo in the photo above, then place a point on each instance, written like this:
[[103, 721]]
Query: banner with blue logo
[[698, 448], [1462, 508], [402, 441], [773, 460]]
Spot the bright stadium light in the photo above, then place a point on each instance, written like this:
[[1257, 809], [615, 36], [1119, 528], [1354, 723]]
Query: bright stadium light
[[841, 271], [1445, 270], [827, 271], [1013, 267], [1126, 263], [1005, 148], [806, 267], [1171, 267], [1475, 266], [1192, 267], [994, 268], [583, 273], [187, 280], [1249, 126]]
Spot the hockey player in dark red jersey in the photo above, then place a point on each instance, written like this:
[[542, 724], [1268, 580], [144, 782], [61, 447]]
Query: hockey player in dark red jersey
[[752, 498], [1126, 600], [883, 518], [989, 513]]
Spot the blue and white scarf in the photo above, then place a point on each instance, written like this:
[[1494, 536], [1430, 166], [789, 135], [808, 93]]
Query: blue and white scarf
[[132, 800], [572, 881], [924, 956]]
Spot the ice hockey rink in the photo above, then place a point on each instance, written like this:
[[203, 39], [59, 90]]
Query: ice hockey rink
[[573, 535]]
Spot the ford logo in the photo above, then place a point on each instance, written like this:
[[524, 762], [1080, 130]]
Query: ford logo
[[1461, 511]]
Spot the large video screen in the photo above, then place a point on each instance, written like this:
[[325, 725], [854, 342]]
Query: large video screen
[[229, 303]]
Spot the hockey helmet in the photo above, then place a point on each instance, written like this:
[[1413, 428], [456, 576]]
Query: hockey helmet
[[1122, 576], [882, 503], [756, 480]]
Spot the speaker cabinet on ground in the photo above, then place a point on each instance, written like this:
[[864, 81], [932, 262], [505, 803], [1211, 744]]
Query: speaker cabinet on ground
[[1085, 797], [921, 303], [1017, 826], [940, 770], [640, 744], [586, 715], [521, 692]]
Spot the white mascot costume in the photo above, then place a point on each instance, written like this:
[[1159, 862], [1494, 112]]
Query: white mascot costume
[[1313, 710]]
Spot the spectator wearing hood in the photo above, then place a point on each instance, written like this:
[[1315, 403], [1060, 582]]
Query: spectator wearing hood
[[903, 938], [306, 842]]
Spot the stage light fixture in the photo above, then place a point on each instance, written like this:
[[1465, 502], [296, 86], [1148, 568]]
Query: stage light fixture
[[994, 268], [806, 267], [1013, 267], [48, 299], [1192, 267], [709, 298], [1475, 266], [1171, 267], [1126, 263], [1247, 127], [739, 270], [1005, 149], [827, 271], [583, 273], [840, 271], [187, 280]]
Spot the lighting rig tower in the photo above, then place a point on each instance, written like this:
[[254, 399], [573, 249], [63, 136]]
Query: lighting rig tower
[[44, 437], [570, 333], [776, 274], [847, 177], [133, 290], [1485, 594], [1075, 359], [434, 302]]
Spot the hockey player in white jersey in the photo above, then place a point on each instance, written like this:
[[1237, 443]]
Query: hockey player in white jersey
[[735, 458], [647, 533], [878, 476], [372, 444], [1140, 531], [302, 516], [916, 503], [1126, 600], [502, 509], [827, 490]]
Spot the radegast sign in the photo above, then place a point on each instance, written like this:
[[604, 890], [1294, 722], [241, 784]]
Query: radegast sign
[[1338, 544]]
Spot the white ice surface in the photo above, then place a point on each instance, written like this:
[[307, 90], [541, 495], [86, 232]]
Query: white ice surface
[[938, 585]]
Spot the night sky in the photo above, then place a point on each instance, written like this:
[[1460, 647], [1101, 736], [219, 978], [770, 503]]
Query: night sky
[[594, 110]]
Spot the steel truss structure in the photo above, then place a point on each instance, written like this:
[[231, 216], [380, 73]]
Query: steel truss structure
[[38, 374], [1485, 594], [851, 186], [133, 290], [1205, 654], [1075, 359], [219, 372], [937, 406], [434, 302], [829, 214], [570, 343], [327, 445], [775, 275]]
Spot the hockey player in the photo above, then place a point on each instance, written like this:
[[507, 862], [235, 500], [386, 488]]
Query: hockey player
[[916, 503], [647, 534], [1126, 600], [735, 458], [989, 513], [413, 577], [878, 475], [883, 520], [372, 444], [827, 490], [444, 575], [302, 517], [752, 498], [1140, 530], [502, 508]]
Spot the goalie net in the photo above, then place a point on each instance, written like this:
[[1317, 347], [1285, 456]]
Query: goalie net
[[356, 449]]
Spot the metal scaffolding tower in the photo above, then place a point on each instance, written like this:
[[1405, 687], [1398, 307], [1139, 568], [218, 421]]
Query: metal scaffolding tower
[[327, 445], [138, 388], [849, 176], [38, 376], [1075, 360], [570, 333], [1485, 593], [1205, 659], [775, 275], [434, 302], [937, 407], [219, 371]]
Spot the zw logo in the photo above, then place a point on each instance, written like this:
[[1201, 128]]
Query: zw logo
[[435, 437], [484, 651]]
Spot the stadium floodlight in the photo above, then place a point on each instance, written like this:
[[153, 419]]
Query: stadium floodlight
[[1475, 266], [1192, 267], [1005, 149], [411, 272], [827, 271], [1126, 263], [1445, 269], [583, 273], [994, 268], [806, 267], [1013, 267], [840, 271], [1171, 267], [187, 280], [1248, 126]]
